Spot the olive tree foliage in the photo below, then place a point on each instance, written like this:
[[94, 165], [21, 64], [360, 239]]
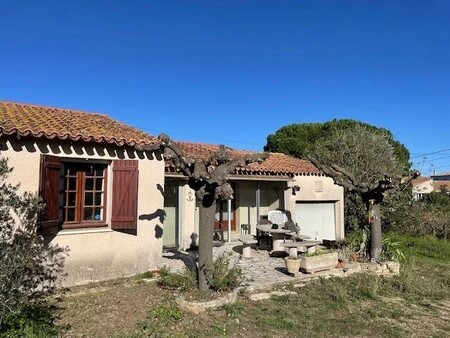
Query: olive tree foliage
[[429, 216], [28, 269], [209, 179], [365, 160], [364, 163], [366, 151], [301, 139]]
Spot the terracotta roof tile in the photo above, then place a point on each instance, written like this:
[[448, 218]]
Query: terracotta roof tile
[[439, 184], [275, 164], [420, 179], [38, 121]]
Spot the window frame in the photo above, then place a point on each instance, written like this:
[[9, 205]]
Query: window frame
[[80, 196]]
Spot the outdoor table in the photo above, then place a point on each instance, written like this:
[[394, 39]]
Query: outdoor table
[[299, 237], [277, 234], [308, 246]]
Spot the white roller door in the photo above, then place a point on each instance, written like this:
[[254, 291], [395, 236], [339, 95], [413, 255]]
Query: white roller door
[[316, 220]]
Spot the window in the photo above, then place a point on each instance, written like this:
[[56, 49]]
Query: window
[[83, 189], [75, 194]]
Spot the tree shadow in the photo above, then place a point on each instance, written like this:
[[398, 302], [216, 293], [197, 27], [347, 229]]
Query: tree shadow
[[158, 231], [159, 213], [189, 259]]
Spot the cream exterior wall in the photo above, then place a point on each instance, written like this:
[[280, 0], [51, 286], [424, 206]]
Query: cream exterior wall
[[246, 210], [188, 223], [425, 187], [318, 189], [98, 253]]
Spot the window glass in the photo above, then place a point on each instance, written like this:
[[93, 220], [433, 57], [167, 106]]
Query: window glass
[[83, 192]]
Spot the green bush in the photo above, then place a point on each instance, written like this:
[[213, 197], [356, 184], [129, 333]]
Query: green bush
[[225, 277], [28, 269], [391, 250], [183, 281]]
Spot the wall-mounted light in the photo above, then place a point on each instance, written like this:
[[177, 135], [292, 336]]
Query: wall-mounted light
[[295, 188]]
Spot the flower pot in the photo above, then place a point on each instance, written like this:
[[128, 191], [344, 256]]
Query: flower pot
[[292, 265], [311, 264]]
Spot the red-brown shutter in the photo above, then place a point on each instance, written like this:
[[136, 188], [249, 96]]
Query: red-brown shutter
[[49, 191], [124, 194]]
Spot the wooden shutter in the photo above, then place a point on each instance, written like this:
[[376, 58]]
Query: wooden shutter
[[124, 194], [50, 172]]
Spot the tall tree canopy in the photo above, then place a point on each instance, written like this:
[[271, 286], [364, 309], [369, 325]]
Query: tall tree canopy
[[299, 140], [364, 159]]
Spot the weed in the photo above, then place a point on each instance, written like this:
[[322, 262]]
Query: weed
[[183, 281], [223, 276], [391, 250], [220, 329], [165, 312], [233, 309]]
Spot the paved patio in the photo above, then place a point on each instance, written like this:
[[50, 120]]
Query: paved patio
[[262, 270]]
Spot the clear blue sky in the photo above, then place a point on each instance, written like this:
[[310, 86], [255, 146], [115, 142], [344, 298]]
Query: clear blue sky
[[233, 72]]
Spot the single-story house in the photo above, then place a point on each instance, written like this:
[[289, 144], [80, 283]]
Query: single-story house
[[280, 182], [422, 186], [103, 192], [114, 202]]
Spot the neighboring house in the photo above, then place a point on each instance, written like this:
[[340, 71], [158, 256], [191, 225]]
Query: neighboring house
[[280, 182], [421, 186], [103, 193], [441, 182]]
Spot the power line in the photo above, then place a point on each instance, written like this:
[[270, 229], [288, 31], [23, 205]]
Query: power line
[[432, 153]]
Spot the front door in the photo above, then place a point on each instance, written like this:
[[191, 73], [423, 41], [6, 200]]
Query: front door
[[222, 215]]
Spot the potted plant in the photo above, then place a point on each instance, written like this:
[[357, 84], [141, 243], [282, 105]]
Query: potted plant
[[319, 260], [292, 264]]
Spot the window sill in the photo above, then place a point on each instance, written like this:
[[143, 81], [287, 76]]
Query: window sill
[[88, 230], [85, 225]]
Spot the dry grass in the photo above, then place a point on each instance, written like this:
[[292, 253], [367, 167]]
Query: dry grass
[[415, 304]]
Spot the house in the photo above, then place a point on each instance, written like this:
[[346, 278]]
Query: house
[[441, 182], [101, 181], [422, 186], [280, 182]]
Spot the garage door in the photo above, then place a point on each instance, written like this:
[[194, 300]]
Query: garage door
[[316, 220]]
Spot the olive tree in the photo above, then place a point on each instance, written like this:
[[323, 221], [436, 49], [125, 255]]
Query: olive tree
[[29, 269], [209, 179], [364, 162]]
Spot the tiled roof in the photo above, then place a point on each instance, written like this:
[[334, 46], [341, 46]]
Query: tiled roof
[[64, 124], [437, 185], [276, 164], [420, 179]]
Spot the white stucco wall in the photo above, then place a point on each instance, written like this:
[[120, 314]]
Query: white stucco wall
[[189, 226], [421, 187], [99, 253]]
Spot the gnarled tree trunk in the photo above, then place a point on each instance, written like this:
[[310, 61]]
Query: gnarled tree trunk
[[374, 217], [205, 237]]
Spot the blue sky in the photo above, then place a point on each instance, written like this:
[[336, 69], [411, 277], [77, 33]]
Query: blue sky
[[233, 72]]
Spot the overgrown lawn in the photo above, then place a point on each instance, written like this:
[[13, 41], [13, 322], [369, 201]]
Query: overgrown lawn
[[416, 304]]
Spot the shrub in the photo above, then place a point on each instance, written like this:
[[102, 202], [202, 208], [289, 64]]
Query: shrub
[[223, 276], [183, 281], [28, 268], [391, 250]]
